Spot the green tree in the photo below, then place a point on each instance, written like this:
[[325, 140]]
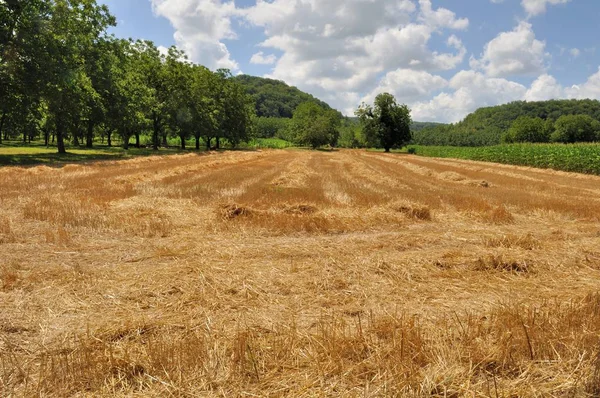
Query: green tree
[[314, 126], [386, 124], [151, 64], [179, 101], [205, 106], [22, 25], [239, 113], [575, 128], [528, 129], [75, 25]]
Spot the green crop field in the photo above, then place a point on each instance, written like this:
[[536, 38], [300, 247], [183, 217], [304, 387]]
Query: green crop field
[[580, 158]]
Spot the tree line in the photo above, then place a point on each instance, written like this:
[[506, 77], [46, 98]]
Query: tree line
[[494, 125], [64, 77]]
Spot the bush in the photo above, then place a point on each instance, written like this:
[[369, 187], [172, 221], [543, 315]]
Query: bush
[[575, 128], [528, 129]]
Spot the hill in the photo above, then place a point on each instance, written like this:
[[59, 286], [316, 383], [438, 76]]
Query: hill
[[486, 125], [275, 98]]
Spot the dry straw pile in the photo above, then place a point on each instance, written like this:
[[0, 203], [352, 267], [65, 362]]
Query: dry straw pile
[[290, 273]]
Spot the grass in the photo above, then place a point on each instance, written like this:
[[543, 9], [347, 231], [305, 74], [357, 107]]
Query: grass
[[270, 143], [580, 158], [298, 273]]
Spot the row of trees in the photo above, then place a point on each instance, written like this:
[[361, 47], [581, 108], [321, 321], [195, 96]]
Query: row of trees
[[567, 129], [61, 74]]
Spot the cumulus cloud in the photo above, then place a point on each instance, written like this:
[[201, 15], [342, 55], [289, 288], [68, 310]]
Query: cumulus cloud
[[513, 53], [407, 85], [200, 26], [441, 18], [589, 89], [472, 90], [344, 46], [260, 59], [536, 7], [544, 88]]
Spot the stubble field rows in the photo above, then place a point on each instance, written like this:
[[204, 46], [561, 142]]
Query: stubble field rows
[[295, 273]]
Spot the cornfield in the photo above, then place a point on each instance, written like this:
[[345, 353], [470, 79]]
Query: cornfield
[[579, 158]]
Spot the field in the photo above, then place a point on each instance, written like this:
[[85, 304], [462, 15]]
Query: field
[[298, 273], [579, 158]]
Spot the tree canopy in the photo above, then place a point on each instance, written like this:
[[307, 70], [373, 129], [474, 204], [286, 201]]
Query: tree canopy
[[386, 124], [314, 126], [63, 74]]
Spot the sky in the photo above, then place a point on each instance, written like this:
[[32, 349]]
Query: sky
[[443, 58]]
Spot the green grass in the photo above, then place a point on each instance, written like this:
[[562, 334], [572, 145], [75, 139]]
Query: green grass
[[271, 143], [580, 158]]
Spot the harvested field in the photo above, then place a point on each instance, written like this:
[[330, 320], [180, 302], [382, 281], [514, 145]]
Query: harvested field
[[295, 273]]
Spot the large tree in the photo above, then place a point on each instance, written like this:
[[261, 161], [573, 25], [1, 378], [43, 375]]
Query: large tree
[[314, 126], [576, 128], [386, 124], [529, 129], [74, 27]]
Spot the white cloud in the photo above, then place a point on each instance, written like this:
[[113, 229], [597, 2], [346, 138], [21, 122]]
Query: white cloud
[[408, 86], [339, 48], [544, 88], [472, 90], [441, 18], [260, 59], [536, 7], [512, 53], [590, 89], [200, 26]]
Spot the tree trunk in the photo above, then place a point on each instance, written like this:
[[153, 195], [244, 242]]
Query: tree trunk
[[182, 141], [108, 137], [387, 150], [155, 131], [24, 136], [75, 138], [197, 142], [208, 141], [126, 142], [2, 120], [60, 140], [165, 143], [89, 138], [46, 137], [137, 140], [218, 143]]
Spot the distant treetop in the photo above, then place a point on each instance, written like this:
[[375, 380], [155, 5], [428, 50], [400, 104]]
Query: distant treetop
[[275, 98]]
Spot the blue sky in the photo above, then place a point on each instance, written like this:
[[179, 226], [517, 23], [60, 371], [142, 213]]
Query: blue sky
[[444, 58]]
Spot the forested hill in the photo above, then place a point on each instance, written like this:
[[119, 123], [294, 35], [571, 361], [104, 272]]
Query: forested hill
[[418, 126], [486, 126], [274, 98]]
